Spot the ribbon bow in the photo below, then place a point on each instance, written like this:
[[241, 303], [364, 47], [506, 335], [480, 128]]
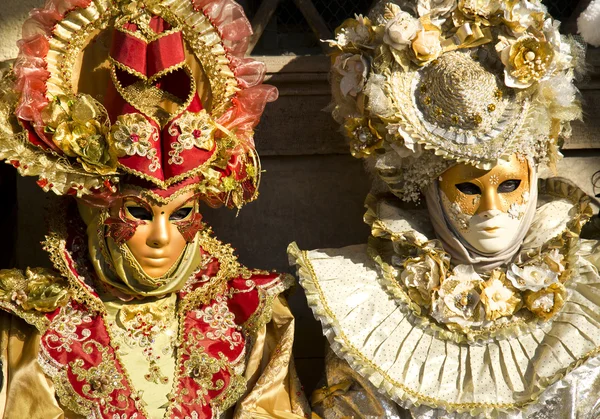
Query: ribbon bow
[[469, 35]]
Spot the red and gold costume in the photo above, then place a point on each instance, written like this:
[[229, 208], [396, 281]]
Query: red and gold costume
[[144, 102]]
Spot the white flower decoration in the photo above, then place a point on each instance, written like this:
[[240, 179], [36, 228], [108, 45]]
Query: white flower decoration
[[531, 277], [421, 276], [132, 135], [195, 130], [401, 30], [459, 300], [354, 69]]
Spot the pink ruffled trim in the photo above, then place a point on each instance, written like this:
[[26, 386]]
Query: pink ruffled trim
[[248, 106], [42, 20], [231, 22], [235, 30], [30, 66]]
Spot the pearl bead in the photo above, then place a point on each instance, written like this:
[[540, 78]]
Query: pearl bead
[[530, 56]]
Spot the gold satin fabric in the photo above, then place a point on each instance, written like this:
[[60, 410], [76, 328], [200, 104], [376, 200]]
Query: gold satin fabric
[[27, 392], [274, 390], [347, 395], [273, 387]]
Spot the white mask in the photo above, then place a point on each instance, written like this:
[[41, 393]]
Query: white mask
[[485, 207]]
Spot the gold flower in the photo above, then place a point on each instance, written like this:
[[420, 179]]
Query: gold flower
[[421, 276], [459, 299], [427, 46], [88, 142], [547, 302], [364, 136], [499, 298], [77, 130], [479, 9], [354, 33], [526, 61], [37, 289], [522, 14], [46, 290]]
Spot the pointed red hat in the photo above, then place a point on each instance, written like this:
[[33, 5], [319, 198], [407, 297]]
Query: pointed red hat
[[155, 93]]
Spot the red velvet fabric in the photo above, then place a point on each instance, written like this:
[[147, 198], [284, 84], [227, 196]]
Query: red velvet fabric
[[78, 336], [129, 51], [165, 52]]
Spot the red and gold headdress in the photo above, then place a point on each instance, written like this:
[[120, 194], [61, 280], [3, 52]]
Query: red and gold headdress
[[154, 93]]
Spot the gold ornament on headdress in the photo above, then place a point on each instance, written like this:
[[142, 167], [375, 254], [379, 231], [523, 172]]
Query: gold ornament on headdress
[[455, 82]]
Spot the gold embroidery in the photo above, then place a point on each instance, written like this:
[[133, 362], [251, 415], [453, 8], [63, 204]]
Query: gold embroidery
[[221, 320], [142, 324], [208, 184], [101, 380], [64, 326], [264, 312], [32, 294], [133, 135], [55, 245], [147, 98], [228, 268], [196, 130], [236, 388]]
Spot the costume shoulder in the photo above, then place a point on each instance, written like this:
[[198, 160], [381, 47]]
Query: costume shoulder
[[33, 294], [252, 294]]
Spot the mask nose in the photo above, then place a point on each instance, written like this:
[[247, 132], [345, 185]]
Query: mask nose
[[489, 214], [159, 235], [490, 201]]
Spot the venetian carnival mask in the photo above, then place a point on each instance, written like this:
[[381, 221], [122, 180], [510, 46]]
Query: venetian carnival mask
[[156, 235], [143, 246], [485, 207]]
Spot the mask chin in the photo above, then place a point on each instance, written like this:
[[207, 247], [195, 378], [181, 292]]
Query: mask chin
[[490, 233]]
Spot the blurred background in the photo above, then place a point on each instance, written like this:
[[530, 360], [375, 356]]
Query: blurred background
[[312, 191]]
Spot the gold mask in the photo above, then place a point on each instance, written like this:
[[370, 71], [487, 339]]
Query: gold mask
[[476, 190], [156, 235], [485, 207]]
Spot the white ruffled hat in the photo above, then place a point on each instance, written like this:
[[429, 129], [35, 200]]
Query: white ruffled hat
[[428, 85]]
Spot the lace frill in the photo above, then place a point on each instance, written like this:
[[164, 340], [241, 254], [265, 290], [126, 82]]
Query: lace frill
[[412, 362], [249, 103]]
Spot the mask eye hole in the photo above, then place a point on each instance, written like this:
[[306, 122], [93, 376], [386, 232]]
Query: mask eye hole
[[468, 188], [181, 214], [139, 213], [508, 186]]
